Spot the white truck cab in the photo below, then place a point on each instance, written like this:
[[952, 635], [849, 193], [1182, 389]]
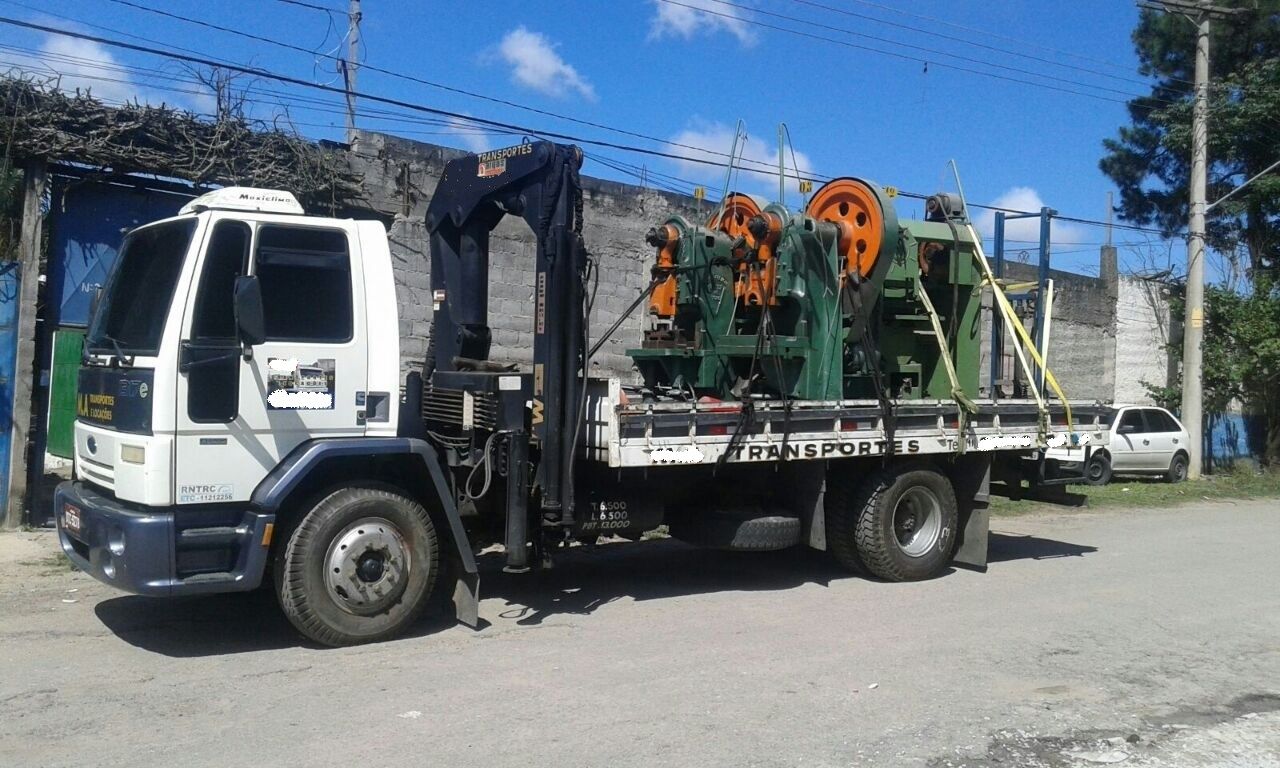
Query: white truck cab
[[176, 412]]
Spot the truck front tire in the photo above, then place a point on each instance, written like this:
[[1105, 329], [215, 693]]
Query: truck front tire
[[899, 524], [359, 567]]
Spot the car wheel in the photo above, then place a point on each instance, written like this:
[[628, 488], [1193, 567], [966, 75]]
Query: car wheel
[[1177, 469], [1098, 470]]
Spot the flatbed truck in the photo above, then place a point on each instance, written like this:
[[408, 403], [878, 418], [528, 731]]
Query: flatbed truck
[[201, 465]]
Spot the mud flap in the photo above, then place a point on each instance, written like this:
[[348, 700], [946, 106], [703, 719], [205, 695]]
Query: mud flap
[[466, 599], [971, 479]]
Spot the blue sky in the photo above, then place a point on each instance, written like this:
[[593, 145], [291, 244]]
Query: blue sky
[[686, 71]]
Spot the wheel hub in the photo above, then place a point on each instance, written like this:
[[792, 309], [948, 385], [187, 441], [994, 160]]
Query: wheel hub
[[917, 521], [367, 566]]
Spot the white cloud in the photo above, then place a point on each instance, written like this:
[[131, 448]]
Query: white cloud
[[470, 135], [535, 64], [699, 17], [758, 164], [1024, 234], [87, 66]]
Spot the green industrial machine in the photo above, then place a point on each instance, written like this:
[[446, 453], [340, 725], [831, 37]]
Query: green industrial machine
[[841, 301]]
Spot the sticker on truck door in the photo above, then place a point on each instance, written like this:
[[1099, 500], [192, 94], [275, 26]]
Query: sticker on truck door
[[297, 386]]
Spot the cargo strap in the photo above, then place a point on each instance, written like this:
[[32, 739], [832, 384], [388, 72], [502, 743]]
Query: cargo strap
[[1011, 319], [957, 393]]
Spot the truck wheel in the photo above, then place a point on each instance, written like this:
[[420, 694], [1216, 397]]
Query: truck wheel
[[900, 525], [1177, 469], [359, 568], [1098, 470]]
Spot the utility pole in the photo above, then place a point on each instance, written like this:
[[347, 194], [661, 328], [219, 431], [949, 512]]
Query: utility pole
[[1200, 12], [351, 66]]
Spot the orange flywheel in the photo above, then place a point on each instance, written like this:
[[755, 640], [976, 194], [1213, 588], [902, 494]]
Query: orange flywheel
[[732, 218], [855, 208]]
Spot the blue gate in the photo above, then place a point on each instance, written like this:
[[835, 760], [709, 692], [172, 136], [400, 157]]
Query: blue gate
[[10, 282]]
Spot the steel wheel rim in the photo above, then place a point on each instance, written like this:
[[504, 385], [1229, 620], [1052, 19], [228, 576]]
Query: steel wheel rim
[[367, 566], [917, 521], [1095, 469], [1179, 469]]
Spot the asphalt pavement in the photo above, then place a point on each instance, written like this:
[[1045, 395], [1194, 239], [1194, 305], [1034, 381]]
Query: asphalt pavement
[[1131, 637]]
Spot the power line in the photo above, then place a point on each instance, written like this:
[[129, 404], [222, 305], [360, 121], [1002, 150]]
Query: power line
[[501, 126], [312, 6], [895, 54], [911, 46], [968, 41], [429, 83], [991, 34]]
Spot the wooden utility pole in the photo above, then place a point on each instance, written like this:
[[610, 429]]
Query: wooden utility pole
[[351, 66], [35, 180]]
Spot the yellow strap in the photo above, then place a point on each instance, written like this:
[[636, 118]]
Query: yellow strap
[[956, 391], [1007, 310]]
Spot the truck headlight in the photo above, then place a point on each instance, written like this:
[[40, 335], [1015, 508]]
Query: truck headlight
[[133, 454]]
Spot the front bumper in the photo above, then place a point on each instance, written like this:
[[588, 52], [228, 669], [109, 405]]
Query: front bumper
[[162, 551]]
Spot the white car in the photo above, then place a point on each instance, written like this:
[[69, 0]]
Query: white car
[[1144, 440]]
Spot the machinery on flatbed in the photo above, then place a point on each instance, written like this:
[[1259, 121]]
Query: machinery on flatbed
[[809, 377]]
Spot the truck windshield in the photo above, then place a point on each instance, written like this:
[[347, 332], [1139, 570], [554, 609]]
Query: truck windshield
[[131, 314]]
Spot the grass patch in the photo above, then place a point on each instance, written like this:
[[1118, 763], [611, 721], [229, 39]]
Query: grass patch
[[1151, 492]]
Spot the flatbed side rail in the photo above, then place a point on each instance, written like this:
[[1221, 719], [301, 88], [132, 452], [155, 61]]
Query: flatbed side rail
[[633, 433]]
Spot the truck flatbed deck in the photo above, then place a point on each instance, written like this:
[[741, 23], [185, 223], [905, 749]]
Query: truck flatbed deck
[[626, 431]]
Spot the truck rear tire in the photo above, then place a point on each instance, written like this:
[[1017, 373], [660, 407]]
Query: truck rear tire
[[359, 568], [899, 525]]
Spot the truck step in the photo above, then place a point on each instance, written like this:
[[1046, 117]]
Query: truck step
[[210, 578], [214, 536]]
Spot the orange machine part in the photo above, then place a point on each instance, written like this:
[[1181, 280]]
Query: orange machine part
[[662, 302], [852, 206], [738, 209], [757, 285]]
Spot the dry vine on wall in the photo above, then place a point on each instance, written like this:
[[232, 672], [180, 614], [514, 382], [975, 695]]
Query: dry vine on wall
[[40, 121]]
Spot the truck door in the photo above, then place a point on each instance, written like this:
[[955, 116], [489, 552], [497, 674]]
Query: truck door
[[237, 417]]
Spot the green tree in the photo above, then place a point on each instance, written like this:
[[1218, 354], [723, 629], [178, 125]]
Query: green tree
[[1150, 161]]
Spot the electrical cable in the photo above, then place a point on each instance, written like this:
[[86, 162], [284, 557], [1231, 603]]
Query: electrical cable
[[967, 41], [909, 46], [494, 124]]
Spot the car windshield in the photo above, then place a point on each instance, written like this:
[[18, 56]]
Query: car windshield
[[131, 314]]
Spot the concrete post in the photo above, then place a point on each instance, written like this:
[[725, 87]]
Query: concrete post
[[24, 367], [1193, 333]]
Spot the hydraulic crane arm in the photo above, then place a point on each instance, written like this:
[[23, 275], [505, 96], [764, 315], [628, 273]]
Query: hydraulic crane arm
[[539, 183]]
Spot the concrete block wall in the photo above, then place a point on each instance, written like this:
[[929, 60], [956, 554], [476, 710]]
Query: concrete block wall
[[1106, 335], [1144, 328], [399, 178]]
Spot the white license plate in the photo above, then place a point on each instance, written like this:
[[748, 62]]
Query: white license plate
[[71, 518]]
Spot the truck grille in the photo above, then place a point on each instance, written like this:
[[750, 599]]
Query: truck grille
[[459, 408], [101, 475]]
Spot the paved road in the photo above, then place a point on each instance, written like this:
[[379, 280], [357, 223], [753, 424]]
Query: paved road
[[1146, 638]]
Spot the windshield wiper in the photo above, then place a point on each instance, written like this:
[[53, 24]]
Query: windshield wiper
[[121, 357]]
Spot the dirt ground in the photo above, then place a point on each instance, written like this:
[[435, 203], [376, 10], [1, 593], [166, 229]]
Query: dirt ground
[[1140, 638]]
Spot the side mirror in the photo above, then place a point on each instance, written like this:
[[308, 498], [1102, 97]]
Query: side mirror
[[248, 307], [1126, 429]]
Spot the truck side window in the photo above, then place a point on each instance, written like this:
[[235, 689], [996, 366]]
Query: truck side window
[[305, 273], [226, 259]]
